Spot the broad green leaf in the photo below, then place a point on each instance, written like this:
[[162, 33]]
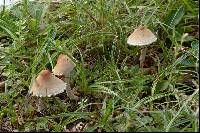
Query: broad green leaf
[[175, 16]]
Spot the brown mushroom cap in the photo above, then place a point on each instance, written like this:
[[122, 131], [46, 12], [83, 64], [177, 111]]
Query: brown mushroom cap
[[141, 36], [46, 84], [64, 66]]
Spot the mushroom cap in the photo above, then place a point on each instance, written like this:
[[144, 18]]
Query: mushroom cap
[[141, 36], [64, 66], [46, 84]]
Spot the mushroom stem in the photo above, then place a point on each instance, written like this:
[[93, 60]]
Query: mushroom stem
[[70, 92], [142, 56], [41, 105], [2, 85]]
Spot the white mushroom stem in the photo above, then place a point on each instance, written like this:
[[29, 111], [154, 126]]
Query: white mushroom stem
[[142, 56], [70, 92]]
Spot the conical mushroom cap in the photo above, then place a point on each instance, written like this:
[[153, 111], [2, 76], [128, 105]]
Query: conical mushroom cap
[[141, 36], [46, 84], [64, 66]]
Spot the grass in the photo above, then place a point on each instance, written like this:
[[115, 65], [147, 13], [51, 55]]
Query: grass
[[115, 93]]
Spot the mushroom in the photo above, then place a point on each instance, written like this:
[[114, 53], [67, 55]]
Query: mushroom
[[141, 36], [46, 84], [64, 66]]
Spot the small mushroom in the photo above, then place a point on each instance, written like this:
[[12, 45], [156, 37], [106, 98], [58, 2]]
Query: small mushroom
[[64, 66], [141, 36], [46, 84]]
